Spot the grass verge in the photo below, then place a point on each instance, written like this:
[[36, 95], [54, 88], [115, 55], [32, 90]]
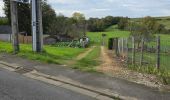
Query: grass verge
[[57, 55]]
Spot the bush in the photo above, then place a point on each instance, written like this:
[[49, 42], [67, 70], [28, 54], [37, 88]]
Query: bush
[[110, 44], [3, 21]]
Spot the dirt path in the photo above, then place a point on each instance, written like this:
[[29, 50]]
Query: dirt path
[[82, 55], [108, 66], [113, 68]]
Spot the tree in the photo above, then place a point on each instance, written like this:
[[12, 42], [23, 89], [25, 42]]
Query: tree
[[7, 10], [78, 17], [123, 23], [153, 26], [24, 15], [48, 16], [79, 24], [58, 26], [96, 25]]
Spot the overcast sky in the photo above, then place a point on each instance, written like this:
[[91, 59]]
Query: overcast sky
[[101, 8]]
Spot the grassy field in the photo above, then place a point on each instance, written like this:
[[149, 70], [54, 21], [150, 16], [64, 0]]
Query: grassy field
[[96, 37], [58, 55]]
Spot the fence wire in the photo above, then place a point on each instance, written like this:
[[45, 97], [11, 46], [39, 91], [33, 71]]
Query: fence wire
[[143, 51]]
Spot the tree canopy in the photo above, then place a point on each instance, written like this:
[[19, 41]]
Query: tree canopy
[[24, 15]]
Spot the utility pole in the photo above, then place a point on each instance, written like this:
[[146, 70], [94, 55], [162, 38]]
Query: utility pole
[[37, 31], [14, 24]]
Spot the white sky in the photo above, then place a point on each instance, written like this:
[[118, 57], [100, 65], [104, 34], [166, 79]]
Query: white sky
[[101, 8]]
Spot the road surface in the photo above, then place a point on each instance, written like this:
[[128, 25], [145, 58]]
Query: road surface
[[14, 86]]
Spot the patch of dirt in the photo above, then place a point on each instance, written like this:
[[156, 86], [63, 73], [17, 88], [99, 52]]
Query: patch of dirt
[[113, 67]]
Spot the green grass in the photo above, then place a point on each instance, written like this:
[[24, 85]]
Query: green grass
[[58, 55], [96, 37], [112, 28], [89, 62]]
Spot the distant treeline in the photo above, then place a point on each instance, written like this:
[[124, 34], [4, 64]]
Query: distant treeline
[[96, 24]]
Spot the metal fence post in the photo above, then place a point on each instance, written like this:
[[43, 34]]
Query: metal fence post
[[158, 53]]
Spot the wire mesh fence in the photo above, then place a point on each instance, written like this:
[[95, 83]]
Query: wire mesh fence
[[144, 52]]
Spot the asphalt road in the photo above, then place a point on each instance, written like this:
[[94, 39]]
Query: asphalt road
[[14, 86], [115, 85]]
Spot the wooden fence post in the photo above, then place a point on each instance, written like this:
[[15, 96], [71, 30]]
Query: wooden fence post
[[133, 51], [122, 47], [116, 46], [142, 48], [127, 50], [14, 24], [158, 53]]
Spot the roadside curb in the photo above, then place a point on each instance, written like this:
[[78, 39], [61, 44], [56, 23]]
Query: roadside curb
[[10, 65], [102, 92]]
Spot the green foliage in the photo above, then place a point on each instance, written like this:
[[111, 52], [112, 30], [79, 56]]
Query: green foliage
[[98, 25], [78, 17], [139, 30], [95, 24], [164, 21], [73, 27], [110, 44], [24, 18], [74, 44], [155, 25], [3, 21], [48, 17], [123, 23], [24, 15]]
